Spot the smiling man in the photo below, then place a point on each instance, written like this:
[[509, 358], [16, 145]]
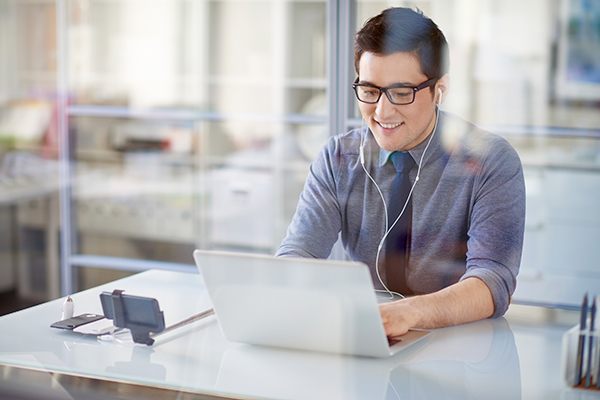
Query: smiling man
[[432, 204]]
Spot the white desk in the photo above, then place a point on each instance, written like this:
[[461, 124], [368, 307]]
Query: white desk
[[490, 359]]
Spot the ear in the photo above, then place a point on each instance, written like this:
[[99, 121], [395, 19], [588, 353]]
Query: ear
[[442, 84]]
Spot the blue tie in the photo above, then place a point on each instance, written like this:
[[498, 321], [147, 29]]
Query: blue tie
[[398, 240]]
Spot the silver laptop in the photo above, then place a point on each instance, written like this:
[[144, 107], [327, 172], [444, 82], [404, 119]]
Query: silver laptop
[[298, 303]]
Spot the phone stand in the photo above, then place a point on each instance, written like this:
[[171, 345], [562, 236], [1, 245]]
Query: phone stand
[[141, 315]]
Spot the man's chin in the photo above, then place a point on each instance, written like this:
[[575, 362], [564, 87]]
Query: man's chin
[[387, 144]]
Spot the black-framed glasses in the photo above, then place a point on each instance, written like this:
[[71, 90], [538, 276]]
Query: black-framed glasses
[[396, 94]]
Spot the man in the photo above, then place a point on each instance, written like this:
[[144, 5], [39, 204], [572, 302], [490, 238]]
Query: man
[[460, 246]]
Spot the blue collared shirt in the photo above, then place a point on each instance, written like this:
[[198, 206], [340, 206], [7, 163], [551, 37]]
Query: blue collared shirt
[[468, 208]]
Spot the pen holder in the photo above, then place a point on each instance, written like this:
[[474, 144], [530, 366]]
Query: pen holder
[[575, 356]]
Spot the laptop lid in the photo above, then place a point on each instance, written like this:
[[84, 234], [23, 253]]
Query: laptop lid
[[298, 303]]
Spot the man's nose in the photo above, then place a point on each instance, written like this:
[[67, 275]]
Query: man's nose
[[384, 107]]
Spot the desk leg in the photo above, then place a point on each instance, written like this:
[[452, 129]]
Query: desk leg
[[23, 273], [7, 247], [52, 245]]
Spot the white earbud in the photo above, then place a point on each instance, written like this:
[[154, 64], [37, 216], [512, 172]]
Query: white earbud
[[440, 97], [362, 151]]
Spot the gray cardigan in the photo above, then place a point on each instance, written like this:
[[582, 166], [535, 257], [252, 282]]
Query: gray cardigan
[[468, 208]]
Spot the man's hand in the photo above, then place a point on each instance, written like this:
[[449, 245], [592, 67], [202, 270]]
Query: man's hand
[[466, 301], [398, 317]]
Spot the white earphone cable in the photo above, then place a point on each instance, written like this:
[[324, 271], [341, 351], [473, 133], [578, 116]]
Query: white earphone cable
[[388, 229]]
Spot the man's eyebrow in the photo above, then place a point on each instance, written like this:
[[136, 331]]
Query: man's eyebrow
[[361, 82]]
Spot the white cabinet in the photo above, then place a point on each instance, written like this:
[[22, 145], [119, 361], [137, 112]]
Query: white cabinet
[[561, 251]]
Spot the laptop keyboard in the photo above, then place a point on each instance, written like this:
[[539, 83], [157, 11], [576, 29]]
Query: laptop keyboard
[[393, 341]]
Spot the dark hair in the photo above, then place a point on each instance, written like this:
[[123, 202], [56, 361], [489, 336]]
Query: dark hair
[[401, 29]]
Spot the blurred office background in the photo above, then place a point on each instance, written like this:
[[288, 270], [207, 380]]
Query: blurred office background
[[133, 131]]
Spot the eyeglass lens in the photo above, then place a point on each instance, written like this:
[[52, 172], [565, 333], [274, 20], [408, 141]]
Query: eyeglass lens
[[369, 94]]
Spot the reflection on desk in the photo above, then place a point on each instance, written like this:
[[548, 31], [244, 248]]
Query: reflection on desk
[[472, 361], [459, 363]]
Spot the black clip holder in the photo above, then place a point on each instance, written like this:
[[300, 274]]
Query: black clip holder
[[141, 315]]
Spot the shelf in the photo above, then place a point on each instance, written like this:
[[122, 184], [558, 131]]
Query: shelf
[[306, 83], [225, 162], [127, 264], [543, 131], [189, 115], [37, 75]]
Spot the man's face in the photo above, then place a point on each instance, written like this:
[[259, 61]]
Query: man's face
[[397, 127]]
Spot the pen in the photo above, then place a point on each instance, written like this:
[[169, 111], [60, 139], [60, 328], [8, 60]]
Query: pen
[[581, 344], [597, 360], [588, 376]]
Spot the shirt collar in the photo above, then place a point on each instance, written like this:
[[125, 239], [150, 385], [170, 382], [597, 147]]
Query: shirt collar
[[417, 151]]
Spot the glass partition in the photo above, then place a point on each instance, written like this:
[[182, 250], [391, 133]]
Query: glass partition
[[192, 125], [189, 126]]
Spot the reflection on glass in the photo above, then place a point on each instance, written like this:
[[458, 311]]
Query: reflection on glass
[[472, 361], [265, 86], [563, 180], [140, 365], [578, 71], [542, 95]]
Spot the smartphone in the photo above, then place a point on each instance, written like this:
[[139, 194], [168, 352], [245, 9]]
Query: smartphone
[[72, 323], [143, 311]]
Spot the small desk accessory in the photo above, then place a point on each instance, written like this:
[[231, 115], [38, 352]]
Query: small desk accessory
[[581, 351], [141, 315], [101, 327], [77, 321], [68, 308]]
